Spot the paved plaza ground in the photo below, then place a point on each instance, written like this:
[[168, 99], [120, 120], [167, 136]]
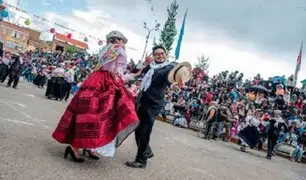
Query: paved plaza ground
[[28, 152]]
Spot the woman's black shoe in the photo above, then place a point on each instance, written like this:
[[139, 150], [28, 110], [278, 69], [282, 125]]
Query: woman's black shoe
[[72, 155], [90, 155]]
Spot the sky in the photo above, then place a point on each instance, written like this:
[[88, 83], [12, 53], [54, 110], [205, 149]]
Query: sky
[[249, 36]]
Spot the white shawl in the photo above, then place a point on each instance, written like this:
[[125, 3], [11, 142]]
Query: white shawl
[[147, 79]]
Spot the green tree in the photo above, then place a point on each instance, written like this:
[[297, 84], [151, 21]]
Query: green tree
[[201, 66], [169, 30], [70, 50], [202, 63]]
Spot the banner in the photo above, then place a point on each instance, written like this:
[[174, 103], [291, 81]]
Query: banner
[[80, 35], [36, 17]]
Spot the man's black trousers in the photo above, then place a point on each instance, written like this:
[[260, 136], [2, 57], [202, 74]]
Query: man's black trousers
[[143, 132]]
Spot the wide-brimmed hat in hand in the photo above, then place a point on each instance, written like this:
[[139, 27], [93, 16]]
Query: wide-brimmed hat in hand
[[182, 72]]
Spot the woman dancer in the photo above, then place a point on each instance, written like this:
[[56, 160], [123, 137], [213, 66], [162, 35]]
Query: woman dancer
[[250, 134], [56, 85], [40, 79], [102, 114]]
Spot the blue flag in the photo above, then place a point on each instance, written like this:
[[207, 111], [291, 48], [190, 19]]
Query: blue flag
[[180, 39]]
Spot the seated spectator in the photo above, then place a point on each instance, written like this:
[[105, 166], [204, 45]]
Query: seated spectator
[[291, 135], [280, 90], [251, 96], [298, 104], [299, 149]]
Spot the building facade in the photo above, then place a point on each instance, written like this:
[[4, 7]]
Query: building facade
[[13, 37], [60, 43], [20, 39], [35, 42]]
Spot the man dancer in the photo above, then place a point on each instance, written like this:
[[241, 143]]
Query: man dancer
[[275, 126], [15, 72], [149, 103]]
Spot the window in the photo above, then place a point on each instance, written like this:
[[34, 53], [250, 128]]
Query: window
[[18, 35], [13, 33], [7, 31], [9, 45], [19, 47], [13, 45], [4, 31]]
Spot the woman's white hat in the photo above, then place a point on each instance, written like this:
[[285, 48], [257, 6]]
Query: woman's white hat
[[116, 34], [182, 71]]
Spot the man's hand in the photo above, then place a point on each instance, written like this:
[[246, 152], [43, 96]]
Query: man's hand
[[181, 84], [148, 60]]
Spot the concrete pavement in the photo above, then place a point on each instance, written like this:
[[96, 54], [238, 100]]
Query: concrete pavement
[[28, 152]]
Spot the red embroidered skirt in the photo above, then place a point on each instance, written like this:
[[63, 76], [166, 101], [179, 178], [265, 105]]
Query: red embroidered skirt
[[103, 109]]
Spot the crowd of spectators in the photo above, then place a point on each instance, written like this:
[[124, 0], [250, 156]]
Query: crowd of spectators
[[233, 97]]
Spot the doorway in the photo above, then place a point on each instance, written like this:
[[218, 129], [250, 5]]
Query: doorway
[[59, 48]]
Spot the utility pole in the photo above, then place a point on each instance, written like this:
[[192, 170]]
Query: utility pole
[[149, 30], [18, 3]]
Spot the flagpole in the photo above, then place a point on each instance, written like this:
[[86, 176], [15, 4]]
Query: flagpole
[[18, 3], [298, 64]]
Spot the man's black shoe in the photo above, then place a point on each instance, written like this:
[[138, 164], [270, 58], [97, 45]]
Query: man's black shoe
[[135, 164], [269, 157], [150, 155]]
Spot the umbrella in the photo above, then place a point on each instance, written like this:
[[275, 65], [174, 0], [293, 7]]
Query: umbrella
[[258, 88], [278, 79], [303, 82], [264, 83]]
